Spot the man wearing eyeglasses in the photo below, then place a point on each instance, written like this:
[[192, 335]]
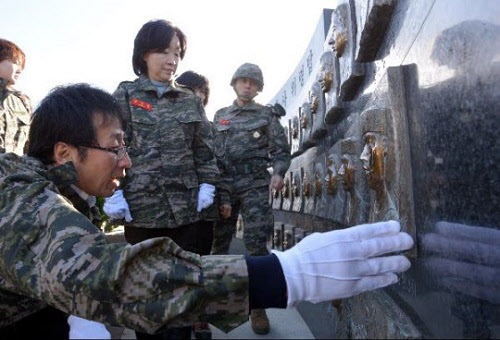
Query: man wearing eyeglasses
[[55, 262]]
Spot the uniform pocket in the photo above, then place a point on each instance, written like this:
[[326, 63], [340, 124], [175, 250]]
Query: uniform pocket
[[188, 121], [143, 129], [220, 139], [143, 181], [186, 118], [254, 136], [144, 195]]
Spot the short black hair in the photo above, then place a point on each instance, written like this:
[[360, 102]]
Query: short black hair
[[154, 36], [195, 81], [12, 52], [66, 115]]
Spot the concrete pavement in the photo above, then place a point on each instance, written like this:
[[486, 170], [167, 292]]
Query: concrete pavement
[[285, 324]]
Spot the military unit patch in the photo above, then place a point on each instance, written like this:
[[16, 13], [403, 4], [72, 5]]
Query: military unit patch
[[142, 104]]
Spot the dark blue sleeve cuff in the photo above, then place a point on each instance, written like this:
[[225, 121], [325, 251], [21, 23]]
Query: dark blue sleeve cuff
[[267, 285]]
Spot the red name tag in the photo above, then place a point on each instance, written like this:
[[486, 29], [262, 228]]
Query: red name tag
[[142, 104], [224, 122]]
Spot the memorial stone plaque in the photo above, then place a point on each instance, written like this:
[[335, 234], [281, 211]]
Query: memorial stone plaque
[[317, 101], [352, 183], [335, 198], [296, 135], [277, 200], [297, 205], [288, 241], [342, 39], [320, 186], [298, 234], [329, 80], [306, 125], [411, 110], [307, 188], [278, 236], [372, 19], [286, 191]]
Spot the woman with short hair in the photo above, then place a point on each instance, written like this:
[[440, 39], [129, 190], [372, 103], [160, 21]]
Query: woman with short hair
[[175, 173]]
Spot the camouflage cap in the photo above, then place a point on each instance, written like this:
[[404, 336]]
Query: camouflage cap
[[251, 71]]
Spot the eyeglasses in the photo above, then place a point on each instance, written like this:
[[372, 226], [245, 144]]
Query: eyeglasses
[[119, 151]]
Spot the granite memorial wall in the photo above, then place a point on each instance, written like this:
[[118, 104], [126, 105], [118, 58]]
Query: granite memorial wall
[[393, 113]]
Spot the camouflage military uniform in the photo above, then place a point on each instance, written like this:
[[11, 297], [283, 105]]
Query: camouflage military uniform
[[15, 115], [50, 254], [171, 152], [247, 140]]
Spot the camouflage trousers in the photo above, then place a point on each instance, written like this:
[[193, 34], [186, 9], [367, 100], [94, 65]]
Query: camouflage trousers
[[258, 223]]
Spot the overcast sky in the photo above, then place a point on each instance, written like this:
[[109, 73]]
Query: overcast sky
[[91, 41]]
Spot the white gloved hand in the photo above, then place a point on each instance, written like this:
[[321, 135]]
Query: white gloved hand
[[116, 207], [343, 263], [85, 329], [205, 196]]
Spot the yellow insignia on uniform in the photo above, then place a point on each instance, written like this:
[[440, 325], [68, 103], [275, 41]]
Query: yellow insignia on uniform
[[256, 134]]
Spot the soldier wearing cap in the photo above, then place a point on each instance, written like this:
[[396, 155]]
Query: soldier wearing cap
[[15, 107], [248, 139]]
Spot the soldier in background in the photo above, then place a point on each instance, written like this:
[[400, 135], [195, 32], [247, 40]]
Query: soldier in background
[[15, 107], [196, 82], [248, 139], [200, 86]]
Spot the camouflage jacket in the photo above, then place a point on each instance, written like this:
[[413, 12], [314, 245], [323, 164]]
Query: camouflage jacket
[[171, 147], [15, 115], [247, 141], [52, 254]]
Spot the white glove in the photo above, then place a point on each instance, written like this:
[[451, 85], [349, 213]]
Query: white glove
[[342, 263], [116, 207], [85, 329], [205, 196]]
